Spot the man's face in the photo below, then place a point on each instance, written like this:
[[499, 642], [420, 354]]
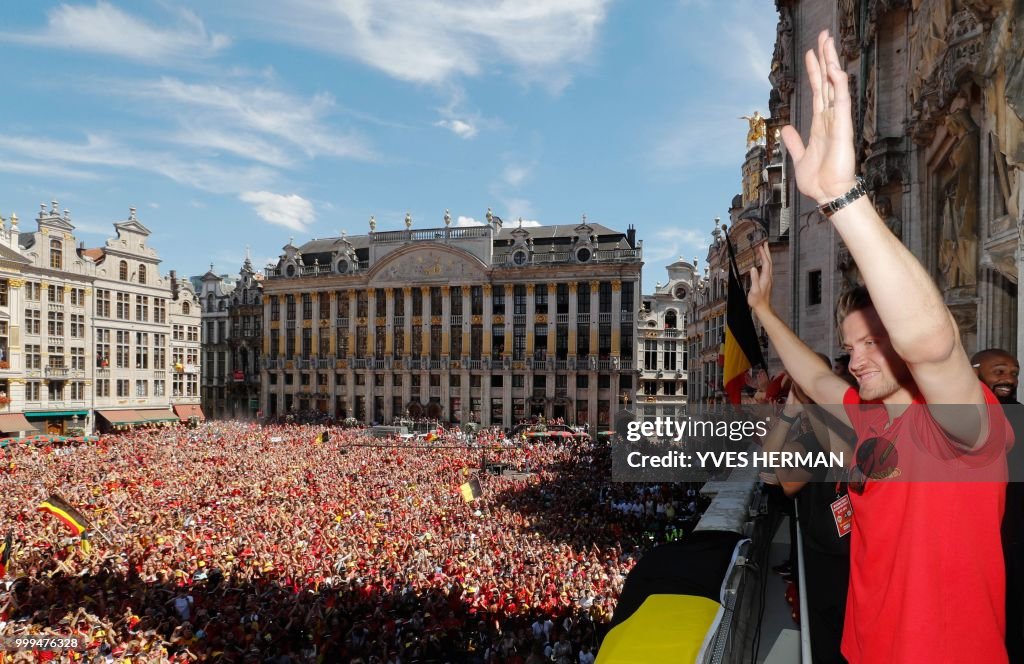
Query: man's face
[[999, 372], [879, 371]]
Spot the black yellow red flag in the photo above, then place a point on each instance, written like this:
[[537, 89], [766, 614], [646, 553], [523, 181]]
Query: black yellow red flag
[[67, 514], [471, 490], [742, 348], [5, 553]]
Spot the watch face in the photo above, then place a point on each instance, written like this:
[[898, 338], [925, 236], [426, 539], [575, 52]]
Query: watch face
[[342, 267], [680, 293], [290, 270], [583, 255], [519, 257]]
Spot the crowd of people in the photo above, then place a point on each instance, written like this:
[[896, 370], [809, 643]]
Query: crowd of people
[[242, 542]]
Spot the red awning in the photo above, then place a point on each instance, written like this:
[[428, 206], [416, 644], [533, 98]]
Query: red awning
[[13, 422], [189, 410]]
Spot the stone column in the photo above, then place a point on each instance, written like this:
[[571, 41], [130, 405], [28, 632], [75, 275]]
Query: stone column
[[425, 328], [573, 315], [371, 323], [467, 322], [315, 325], [353, 319], [617, 317], [595, 315], [488, 319], [552, 319], [407, 326], [531, 313], [266, 336], [389, 342], [446, 323]]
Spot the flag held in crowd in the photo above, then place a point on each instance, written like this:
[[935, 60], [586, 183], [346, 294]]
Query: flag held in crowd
[[5, 553], [471, 490], [67, 514], [742, 348]]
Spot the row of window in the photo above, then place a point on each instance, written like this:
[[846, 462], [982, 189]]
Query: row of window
[[123, 308], [55, 357], [516, 292], [669, 355], [56, 390], [54, 293], [302, 345], [54, 323], [496, 381]]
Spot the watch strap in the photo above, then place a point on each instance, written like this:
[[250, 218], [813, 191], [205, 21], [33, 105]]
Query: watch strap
[[837, 204]]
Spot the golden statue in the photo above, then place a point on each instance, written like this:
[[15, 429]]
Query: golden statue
[[756, 132]]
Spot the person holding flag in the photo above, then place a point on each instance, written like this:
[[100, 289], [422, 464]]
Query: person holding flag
[[66, 514], [742, 350]]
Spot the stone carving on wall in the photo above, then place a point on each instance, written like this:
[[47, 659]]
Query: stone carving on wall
[[935, 84], [848, 33], [884, 208], [958, 249], [782, 75]]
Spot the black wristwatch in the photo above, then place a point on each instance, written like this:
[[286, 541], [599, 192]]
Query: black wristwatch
[[788, 420], [837, 204]]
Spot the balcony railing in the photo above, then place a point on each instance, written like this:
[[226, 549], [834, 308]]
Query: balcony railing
[[456, 320], [438, 364], [342, 322], [399, 321], [625, 316], [562, 319], [475, 364], [57, 372], [604, 317], [583, 319], [626, 364], [377, 363], [324, 363], [671, 332], [435, 392]]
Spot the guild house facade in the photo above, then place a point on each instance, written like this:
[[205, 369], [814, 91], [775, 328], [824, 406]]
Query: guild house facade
[[485, 324]]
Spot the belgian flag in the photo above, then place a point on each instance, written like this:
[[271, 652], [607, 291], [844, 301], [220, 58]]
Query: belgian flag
[[471, 490], [672, 602], [70, 517], [5, 553], [742, 349]]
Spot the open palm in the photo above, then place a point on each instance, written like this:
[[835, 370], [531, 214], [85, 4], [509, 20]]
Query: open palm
[[826, 166]]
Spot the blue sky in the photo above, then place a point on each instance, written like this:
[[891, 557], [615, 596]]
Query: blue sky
[[246, 122]]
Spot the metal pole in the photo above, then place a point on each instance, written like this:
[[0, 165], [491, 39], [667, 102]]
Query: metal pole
[[805, 629]]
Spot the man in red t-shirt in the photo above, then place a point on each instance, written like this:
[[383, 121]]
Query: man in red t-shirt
[[926, 577]]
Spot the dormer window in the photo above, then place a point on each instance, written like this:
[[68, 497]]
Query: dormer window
[[185, 308], [142, 274], [57, 254], [122, 271]]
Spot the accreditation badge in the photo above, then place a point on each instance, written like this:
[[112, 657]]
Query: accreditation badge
[[842, 512]]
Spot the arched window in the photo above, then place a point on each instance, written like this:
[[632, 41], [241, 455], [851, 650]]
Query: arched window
[[184, 308], [122, 271], [209, 302], [670, 319], [57, 254], [142, 274]]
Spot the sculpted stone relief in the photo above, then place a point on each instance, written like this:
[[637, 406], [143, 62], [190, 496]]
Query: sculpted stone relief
[[427, 266], [958, 249]]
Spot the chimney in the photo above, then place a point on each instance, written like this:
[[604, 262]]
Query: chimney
[[631, 235], [174, 284]]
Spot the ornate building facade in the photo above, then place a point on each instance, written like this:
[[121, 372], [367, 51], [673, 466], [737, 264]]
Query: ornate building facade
[[232, 342], [467, 324], [84, 333], [938, 92], [662, 344]]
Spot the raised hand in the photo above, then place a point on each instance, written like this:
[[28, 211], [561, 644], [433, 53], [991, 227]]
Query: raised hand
[[826, 166], [760, 295]]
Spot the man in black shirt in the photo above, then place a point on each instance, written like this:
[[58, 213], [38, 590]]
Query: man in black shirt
[[999, 370]]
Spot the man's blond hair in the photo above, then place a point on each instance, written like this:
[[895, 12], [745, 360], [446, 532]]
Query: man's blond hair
[[854, 299]]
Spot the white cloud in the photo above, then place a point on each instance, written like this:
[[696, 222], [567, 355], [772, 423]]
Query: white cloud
[[106, 29], [291, 211], [231, 114], [460, 128], [514, 175], [468, 221], [432, 41], [670, 243]]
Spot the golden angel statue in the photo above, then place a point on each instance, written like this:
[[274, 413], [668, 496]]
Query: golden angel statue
[[755, 134]]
